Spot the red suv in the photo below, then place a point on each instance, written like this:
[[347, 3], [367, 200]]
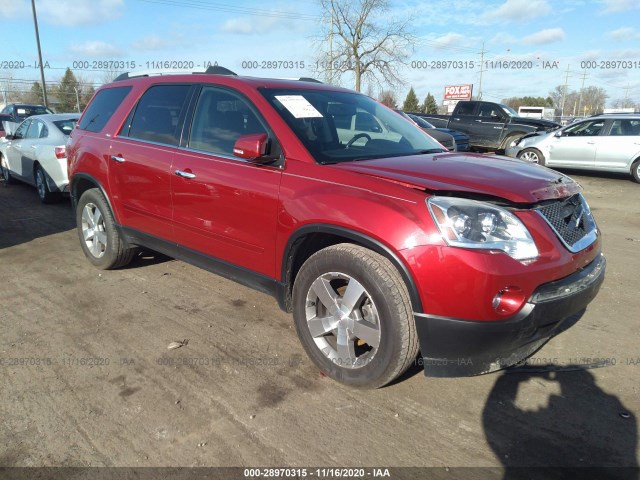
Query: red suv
[[379, 242]]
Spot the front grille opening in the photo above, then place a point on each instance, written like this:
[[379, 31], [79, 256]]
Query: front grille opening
[[571, 220]]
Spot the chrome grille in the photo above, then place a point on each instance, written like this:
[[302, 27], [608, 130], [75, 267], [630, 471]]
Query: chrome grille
[[571, 220]]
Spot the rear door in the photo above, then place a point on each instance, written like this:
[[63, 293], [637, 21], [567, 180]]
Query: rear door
[[620, 147], [223, 206], [462, 119], [487, 125], [141, 157]]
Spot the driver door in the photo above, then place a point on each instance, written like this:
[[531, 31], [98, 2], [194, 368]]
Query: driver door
[[577, 145]]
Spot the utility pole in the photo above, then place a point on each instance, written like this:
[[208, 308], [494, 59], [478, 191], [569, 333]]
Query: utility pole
[[564, 93], [626, 95], [479, 96], [77, 99], [584, 77], [35, 23]]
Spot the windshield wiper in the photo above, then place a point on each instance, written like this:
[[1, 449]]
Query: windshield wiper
[[430, 150]]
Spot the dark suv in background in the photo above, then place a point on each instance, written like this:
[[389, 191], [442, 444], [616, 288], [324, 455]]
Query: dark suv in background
[[381, 244]]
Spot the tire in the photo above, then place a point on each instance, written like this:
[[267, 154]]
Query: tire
[[532, 155], [45, 195], [382, 315], [6, 174], [635, 170], [99, 237]]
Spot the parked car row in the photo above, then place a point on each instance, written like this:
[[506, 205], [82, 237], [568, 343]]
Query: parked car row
[[490, 126], [453, 141]]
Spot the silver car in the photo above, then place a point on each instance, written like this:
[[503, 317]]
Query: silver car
[[608, 143], [36, 154]]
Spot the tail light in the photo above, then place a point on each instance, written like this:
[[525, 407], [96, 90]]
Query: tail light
[[60, 152]]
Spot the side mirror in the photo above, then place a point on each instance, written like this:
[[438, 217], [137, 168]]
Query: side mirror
[[8, 137], [251, 147], [558, 134]]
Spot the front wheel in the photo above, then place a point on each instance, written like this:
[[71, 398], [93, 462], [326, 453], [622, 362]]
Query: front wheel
[[353, 316], [99, 236], [532, 155]]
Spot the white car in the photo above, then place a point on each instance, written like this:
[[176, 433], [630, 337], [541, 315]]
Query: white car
[[36, 154], [609, 142]]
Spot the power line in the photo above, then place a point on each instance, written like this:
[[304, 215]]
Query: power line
[[221, 7]]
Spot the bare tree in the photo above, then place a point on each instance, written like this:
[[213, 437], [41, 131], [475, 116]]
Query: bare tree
[[363, 42], [388, 98]]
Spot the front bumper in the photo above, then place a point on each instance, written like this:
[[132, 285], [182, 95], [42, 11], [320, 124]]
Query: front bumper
[[513, 151], [455, 348]]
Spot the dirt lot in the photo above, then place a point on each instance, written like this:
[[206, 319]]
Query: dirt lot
[[98, 386]]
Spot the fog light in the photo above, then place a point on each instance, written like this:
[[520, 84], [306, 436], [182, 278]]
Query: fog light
[[508, 300]]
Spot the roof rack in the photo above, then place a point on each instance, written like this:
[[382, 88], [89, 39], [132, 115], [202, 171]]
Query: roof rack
[[212, 70], [614, 113]]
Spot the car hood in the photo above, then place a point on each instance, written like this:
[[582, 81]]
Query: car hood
[[545, 124], [506, 178]]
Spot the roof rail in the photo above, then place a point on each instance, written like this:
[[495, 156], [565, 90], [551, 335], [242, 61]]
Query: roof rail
[[218, 70], [309, 79], [615, 113], [212, 70]]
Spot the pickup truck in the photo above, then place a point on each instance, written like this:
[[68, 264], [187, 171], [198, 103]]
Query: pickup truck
[[490, 126]]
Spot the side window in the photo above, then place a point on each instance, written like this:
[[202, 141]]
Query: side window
[[102, 107], [585, 129], [21, 132], [465, 108], [489, 111], [156, 117], [221, 118], [625, 128], [36, 130]]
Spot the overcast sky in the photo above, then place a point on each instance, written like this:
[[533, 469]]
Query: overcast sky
[[553, 33]]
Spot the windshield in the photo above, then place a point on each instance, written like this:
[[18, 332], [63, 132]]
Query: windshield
[[509, 111], [25, 111], [344, 126], [66, 126]]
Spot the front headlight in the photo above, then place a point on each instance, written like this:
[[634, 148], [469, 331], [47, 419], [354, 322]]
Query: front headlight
[[472, 224]]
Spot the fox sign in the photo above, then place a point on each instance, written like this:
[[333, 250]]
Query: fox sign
[[458, 92]]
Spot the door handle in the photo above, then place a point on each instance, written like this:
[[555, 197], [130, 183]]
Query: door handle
[[33, 146], [118, 159], [183, 174], [591, 143], [477, 120]]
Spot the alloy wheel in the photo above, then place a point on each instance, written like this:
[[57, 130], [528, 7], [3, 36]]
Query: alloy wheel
[[343, 320], [93, 230]]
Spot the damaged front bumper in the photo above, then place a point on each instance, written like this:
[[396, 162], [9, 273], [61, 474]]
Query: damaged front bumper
[[456, 348]]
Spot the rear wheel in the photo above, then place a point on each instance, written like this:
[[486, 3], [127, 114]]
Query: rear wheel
[[532, 155], [46, 195], [635, 170], [99, 236], [353, 315], [6, 174]]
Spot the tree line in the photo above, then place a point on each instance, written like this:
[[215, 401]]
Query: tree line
[[70, 93]]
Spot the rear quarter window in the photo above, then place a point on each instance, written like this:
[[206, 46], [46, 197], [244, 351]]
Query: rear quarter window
[[102, 107]]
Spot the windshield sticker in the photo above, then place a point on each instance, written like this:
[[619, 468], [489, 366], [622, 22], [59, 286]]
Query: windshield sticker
[[21, 111], [298, 106]]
